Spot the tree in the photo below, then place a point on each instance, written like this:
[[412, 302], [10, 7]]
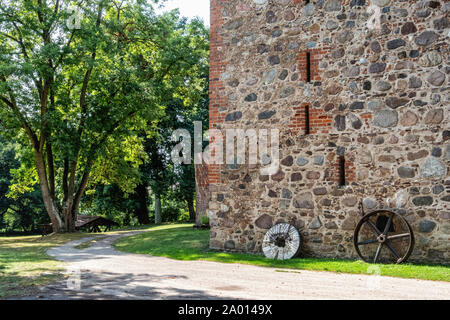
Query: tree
[[26, 210], [185, 100], [78, 99]]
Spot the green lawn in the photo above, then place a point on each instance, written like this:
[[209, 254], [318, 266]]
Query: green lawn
[[24, 264], [182, 242]]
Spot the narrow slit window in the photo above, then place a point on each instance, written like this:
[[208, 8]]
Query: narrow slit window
[[308, 67], [342, 181], [307, 121]]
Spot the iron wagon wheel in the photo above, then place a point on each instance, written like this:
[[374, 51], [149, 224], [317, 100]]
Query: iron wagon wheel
[[281, 242], [383, 236]]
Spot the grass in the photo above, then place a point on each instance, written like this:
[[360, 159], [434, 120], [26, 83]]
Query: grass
[[182, 242], [24, 264]]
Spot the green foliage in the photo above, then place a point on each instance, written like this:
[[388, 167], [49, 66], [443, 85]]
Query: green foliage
[[205, 220], [90, 100], [182, 242], [24, 211]]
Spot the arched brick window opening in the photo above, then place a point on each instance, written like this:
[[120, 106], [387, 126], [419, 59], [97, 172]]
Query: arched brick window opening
[[307, 120], [342, 171], [308, 67]]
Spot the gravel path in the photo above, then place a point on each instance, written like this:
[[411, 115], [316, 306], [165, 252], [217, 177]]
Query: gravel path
[[100, 272]]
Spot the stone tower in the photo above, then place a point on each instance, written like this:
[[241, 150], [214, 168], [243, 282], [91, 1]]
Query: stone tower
[[361, 99]]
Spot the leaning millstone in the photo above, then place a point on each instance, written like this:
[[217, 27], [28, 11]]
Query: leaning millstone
[[436, 78], [304, 201], [433, 168], [427, 226], [315, 224], [385, 118], [426, 38]]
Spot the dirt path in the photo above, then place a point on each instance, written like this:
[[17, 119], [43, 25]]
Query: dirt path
[[100, 272]]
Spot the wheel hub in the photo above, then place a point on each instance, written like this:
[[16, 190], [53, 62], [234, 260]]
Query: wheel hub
[[382, 238], [280, 242]]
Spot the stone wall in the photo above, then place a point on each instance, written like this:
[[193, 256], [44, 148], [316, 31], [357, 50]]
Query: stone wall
[[377, 98]]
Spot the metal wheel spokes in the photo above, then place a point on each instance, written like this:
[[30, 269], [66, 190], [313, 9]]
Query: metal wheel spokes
[[384, 237], [281, 242]]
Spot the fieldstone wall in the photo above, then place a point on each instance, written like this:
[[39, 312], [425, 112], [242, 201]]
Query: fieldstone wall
[[377, 98]]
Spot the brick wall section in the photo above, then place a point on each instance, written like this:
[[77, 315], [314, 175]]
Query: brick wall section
[[217, 88], [318, 120], [316, 55], [378, 98]]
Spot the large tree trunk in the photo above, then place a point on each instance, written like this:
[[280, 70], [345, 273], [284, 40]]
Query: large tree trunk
[[141, 211], [49, 201], [158, 217]]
